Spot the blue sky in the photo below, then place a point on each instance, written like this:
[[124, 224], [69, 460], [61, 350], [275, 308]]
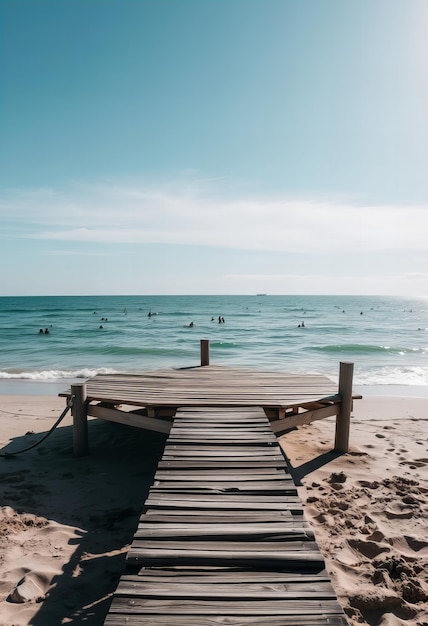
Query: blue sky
[[213, 146]]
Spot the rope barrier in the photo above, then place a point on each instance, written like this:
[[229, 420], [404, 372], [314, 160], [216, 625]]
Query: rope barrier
[[34, 445]]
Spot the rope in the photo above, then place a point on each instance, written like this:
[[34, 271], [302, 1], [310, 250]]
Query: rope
[[57, 423]]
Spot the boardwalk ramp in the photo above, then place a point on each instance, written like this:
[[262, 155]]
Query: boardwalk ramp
[[223, 539]]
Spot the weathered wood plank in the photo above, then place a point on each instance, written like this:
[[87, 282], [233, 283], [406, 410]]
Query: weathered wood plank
[[300, 560], [234, 575], [253, 530], [135, 587], [226, 474], [290, 545], [285, 487], [243, 504], [253, 464], [130, 419], [219, 517], [258, 607], [119, 619]]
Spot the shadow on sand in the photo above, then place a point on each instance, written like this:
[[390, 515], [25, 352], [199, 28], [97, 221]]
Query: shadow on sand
[[299, 472], [102, 495]]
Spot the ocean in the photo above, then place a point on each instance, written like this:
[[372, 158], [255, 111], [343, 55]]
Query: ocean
[[385, 337]]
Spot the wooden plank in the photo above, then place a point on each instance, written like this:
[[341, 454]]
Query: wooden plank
[[241, 504], [221, 452], [130, 419], [252, 464], [298, 559], [260, 439], [215, 607], [253, 530], [208, 498], [219, 517], [289, 545], [284, 487], [304, 418], [133, 586], [209, 474], [234, 575], [119, 619]]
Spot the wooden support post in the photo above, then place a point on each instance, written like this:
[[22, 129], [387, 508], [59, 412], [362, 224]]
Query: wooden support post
[[343, 419], [80, 420], [205, 351]]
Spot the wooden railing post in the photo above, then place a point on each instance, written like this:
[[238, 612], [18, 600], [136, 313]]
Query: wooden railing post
[[205, 351], [80, 420], [343, 419]]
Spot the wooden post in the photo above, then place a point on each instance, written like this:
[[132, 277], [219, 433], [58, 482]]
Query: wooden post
[[343, 420], [80, 420], [205, 351]]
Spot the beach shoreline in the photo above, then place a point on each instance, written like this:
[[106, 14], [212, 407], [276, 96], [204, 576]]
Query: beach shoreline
[[67, 522]]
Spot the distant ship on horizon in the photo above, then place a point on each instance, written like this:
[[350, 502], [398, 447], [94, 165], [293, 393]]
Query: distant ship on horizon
[[261, 294]]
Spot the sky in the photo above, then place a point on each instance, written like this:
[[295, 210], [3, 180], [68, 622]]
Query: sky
[[213, 147]]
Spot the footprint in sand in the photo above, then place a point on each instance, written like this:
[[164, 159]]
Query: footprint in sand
[[337, 477], [382, 599], [398, 511], [369, 549], [415, 464], [374, 484]]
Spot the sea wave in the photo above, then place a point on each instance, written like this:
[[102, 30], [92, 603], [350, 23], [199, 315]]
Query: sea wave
[[365, 349], [45, 375], [415, 376]]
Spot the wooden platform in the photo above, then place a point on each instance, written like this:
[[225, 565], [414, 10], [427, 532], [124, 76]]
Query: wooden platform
[[152, 399], [223, 538], [207, 386]]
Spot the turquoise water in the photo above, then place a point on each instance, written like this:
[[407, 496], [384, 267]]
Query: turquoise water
[[386, 337]]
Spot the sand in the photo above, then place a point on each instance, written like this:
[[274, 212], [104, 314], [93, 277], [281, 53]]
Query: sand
[[369, 507], [66, 522]]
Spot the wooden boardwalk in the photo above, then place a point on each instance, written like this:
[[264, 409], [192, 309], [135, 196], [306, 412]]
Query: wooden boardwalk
[[223, 539]]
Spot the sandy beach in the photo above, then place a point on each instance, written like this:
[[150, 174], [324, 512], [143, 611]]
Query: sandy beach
[[66, 522]]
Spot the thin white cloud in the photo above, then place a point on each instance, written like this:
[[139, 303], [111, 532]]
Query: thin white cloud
[[193, 215], [75, 253]]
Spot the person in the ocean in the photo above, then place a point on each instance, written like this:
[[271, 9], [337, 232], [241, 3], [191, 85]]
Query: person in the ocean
[[46, 331], [41, 331]]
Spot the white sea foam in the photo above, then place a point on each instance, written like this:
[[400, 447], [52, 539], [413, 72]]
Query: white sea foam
[[393, 376], [47, 375]]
